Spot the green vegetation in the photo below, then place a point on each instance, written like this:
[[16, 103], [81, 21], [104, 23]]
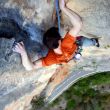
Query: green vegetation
[[38, 103], [83, 94], [71, 104]]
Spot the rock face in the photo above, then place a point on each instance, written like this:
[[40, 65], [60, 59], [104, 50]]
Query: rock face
[[17, 86]]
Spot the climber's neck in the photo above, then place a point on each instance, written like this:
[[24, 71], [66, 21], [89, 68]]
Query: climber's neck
[[58, 50]]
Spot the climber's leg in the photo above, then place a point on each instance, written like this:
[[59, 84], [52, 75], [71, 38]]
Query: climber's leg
[[85, 42]]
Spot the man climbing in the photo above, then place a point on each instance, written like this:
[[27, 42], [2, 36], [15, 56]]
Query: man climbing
[[60, 50]]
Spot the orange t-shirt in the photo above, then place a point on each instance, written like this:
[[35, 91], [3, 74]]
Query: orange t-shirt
[[68, 47]]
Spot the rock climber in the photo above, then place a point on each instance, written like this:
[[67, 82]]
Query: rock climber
[[61, 50]]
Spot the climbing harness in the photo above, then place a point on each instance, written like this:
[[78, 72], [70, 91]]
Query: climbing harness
[[58, 14], [78, 54]]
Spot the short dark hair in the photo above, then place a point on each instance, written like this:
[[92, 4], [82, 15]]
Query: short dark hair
[[51, 38]]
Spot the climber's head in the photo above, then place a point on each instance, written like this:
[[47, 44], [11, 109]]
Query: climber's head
[[52, 38]]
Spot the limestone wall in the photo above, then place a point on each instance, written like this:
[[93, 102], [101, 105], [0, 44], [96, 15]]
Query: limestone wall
[[17, 86]]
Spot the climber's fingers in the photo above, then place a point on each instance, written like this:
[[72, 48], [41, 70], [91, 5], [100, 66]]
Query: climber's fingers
[[22, 44], [19, 48]]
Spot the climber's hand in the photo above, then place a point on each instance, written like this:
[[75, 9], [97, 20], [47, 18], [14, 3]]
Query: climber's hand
[[19, 48]]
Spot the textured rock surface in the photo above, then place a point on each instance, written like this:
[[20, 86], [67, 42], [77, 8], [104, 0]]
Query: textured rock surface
[[17, 86]]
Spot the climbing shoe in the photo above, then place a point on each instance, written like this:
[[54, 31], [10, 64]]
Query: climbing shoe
[[96, 42]]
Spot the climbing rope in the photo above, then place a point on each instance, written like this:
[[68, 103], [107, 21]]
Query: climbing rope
[[57, 13]]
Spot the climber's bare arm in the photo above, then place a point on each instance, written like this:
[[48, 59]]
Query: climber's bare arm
[[74, 18], [27, 63]]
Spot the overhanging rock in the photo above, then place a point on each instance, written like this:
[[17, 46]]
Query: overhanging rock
[[17, 86]]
